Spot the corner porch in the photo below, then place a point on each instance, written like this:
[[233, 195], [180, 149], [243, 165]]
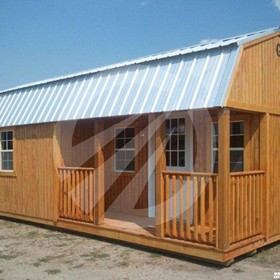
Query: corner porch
[[219, 212]]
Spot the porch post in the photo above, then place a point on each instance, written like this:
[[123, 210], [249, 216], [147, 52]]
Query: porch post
[[264, 166], [99, 173], [160, 166], [223, 177]]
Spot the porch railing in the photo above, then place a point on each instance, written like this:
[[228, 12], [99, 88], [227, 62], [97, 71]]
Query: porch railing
[[190, 206], [245, 205], [76, 193]]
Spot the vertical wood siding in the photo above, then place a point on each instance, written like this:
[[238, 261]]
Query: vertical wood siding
[[31, 191], [257, 78], [274, 155], [124, 192]]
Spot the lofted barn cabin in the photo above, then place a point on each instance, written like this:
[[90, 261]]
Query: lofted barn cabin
[[178, 151]]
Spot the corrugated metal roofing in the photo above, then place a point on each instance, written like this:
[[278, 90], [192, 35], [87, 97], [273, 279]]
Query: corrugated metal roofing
[[189, 78]]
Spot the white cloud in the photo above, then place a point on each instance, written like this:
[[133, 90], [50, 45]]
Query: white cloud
[[277, 4]]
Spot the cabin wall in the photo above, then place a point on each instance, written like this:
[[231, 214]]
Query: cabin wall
[[29, 191], [256, 84], [202, 123], [127, 192], [274, 175], [124, 192]]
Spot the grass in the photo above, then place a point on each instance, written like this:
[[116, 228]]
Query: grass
[[123, 264], [53, 271], [32, 234], [7, 257], [50, 258], [1, 271], [79, 265], [95, 255], [155, 255], [237, 270]]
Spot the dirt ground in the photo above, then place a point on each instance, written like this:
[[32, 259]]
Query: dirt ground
[[29, 252]]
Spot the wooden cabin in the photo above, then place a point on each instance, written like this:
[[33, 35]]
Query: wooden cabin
[[178, 151]]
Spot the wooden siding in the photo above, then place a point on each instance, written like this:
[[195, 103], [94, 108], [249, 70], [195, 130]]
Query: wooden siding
[[274, 175], [124, 192], [127, 192], [31, 190], [256, 83]]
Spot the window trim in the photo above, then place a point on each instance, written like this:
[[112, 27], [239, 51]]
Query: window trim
[[126, 149], [189, 145], [243, 149], [8, 173]]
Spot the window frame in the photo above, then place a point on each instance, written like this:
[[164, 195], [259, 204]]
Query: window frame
[[7, 172], [125, 149], [177, 150], [231, 149]]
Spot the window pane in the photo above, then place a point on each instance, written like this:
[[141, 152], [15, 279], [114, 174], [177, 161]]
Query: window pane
[[182, 142], [129, 132], [167, 159], [10, 145], [3, 145], [215, 155], [5, 165], [10, 165], [215, 129], [173, 158], [9, 135], [119, 143], [120, 165], [181, 129], [3, 136], [9, 156], [237, 141], [168, 145], [119, 133], [167, 125], [129, 155], [236, 156], [130, 166], [215, 141], [129, 143], [174, 142], [182, 159], [4, 156], [120, 155], [236, 167], [237, 128], [174, 125], [215, 167]]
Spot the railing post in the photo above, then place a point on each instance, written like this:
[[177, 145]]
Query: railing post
[[264, 165], [223, 178], [99, 173], [160, 166]]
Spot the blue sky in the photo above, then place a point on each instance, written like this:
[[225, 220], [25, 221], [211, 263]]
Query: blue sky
[[41, 39]]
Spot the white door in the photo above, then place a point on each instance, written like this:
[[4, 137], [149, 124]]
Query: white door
[[179, 153]]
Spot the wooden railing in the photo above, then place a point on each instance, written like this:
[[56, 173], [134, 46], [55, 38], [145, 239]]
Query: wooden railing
[[76, 193], [190, 206], [245, 205]]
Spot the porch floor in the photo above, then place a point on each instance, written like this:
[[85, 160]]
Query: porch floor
[[130, 223]]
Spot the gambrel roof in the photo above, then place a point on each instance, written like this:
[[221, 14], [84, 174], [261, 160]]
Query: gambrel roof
[[188, 78]]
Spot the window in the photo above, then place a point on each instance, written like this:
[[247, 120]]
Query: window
[[6, 149], [175, 148], [125, 149], [236, 147]]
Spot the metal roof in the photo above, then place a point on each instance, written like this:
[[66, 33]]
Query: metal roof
[[188, 78]]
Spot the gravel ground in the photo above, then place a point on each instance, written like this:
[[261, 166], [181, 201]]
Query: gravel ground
[[29, 252]]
